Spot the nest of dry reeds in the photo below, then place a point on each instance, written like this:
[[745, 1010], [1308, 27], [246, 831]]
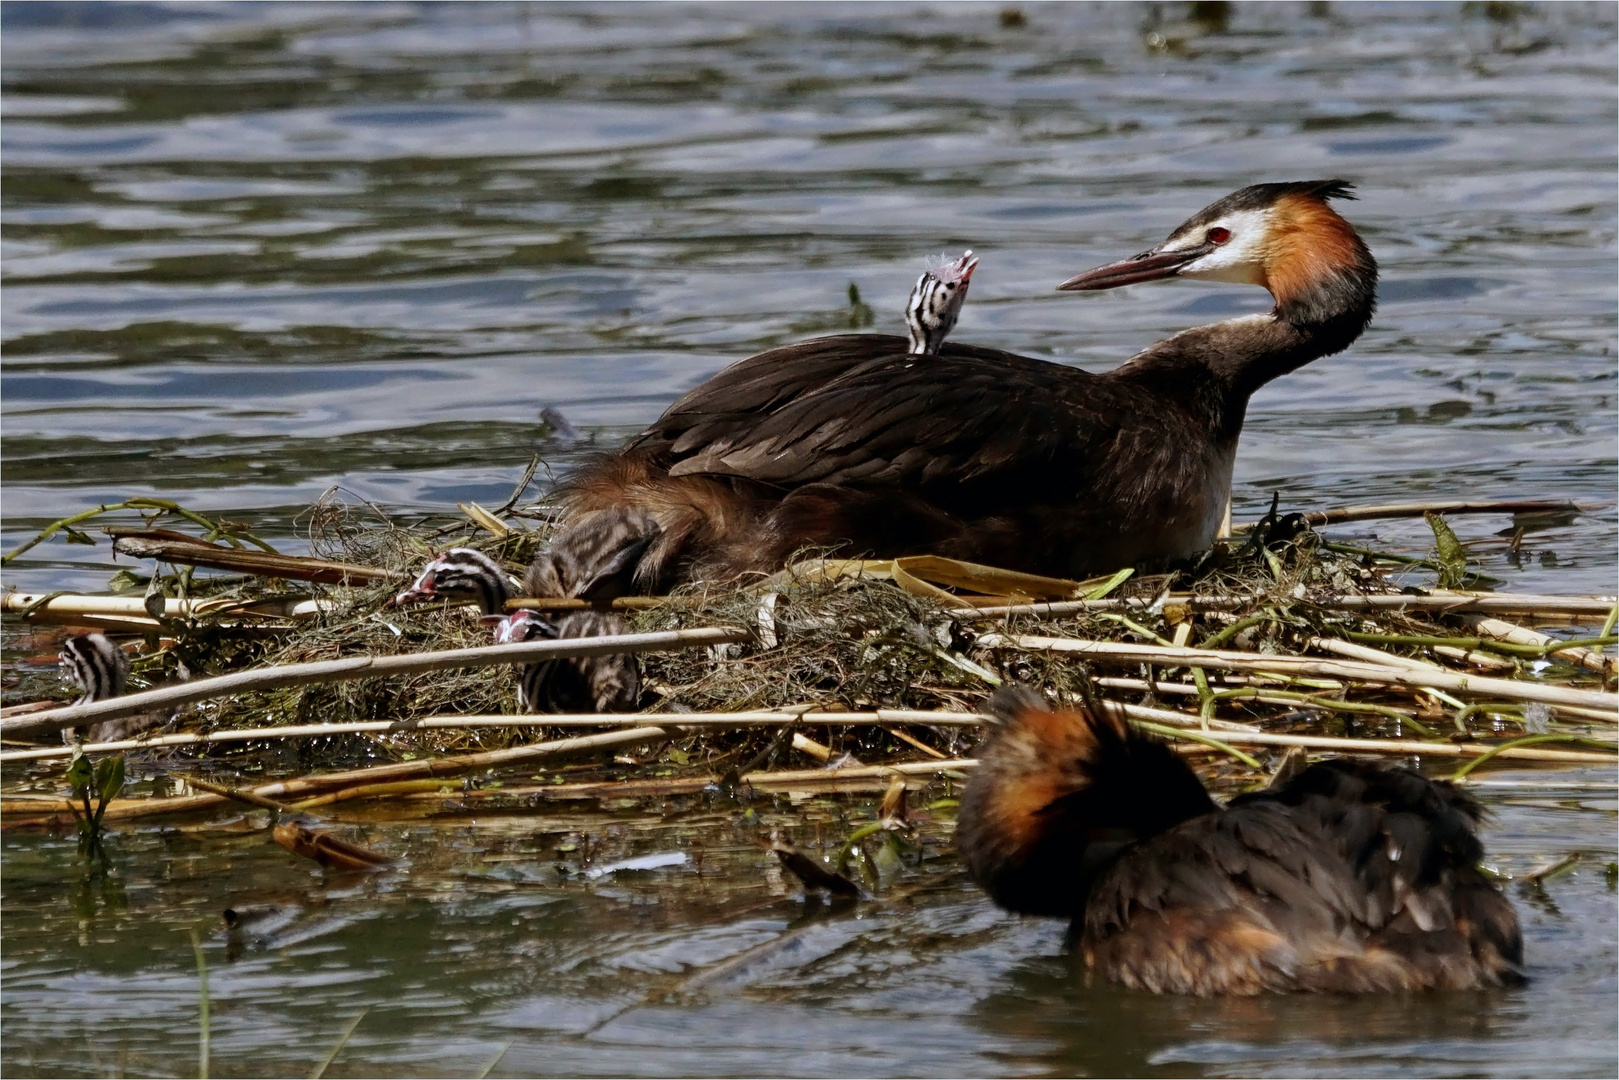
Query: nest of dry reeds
[[865, 639]]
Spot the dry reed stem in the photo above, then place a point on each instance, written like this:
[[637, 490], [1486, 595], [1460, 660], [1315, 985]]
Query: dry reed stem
[[187, 551], [129, 612], [361, 667], [1436, 679], [1369, 654], [759, 718], [884, 718], [385, 780], [556, 749], [1344, 514], [1518, 635], [1572, 607]]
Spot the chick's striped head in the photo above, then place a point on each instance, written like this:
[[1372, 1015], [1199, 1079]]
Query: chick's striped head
[[99, 667], [935, 302], [461, 574]]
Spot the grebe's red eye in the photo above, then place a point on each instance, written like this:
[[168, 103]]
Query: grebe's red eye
[[1218, 235]]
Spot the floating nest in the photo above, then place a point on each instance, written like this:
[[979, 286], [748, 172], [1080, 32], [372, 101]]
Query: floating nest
[[835, 635]]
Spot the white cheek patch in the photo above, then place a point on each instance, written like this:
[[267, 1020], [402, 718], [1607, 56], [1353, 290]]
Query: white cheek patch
[[1240, 259]]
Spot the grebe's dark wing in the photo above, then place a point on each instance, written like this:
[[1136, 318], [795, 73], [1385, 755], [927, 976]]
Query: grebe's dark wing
[[1350, 877], [962, 415]]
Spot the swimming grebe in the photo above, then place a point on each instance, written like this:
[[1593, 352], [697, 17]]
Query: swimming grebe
[[1349, 876], [846, 442], [936, 299]]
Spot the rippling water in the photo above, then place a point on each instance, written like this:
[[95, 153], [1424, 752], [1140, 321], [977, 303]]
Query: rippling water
[[254, 251], [612, 975]]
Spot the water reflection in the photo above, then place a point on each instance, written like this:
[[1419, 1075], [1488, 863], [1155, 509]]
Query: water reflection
[[497, 938]]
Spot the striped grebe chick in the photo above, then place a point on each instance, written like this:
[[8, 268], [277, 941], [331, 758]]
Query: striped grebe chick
[[461, 574], [100, 669], [1349, 876], [935, 302], [569, 685]]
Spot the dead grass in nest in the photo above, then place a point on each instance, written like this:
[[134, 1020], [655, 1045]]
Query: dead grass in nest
[[853, 644]]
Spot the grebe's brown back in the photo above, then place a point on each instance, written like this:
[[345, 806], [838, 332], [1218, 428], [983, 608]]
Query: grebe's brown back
[[1349, 876]]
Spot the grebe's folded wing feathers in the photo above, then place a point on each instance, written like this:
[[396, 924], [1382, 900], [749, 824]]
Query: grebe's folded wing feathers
[[738, 395], [898, 420]]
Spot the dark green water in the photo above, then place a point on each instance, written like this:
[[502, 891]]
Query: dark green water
[[482, 943], [252, 252]]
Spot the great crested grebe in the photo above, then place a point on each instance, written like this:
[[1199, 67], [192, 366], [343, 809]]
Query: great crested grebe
[[848, 443], [1349, 876], [936, 299]]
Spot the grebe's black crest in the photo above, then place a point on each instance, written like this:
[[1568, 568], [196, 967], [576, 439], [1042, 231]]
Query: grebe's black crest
[[1350, 876], [849, 443]]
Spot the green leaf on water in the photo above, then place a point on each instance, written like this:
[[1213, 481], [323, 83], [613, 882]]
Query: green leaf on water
[[1452, 556], [110, 777], [80, 774]]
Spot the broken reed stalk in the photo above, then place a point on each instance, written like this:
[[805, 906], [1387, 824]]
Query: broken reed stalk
[[286, 790], [188, 551], [129, 612], [1376, 656], [1571, 607], [387, 779], [214, 528], [362, 667], [1415, 510], [762, 718], [1435, 679], [1518, 635]]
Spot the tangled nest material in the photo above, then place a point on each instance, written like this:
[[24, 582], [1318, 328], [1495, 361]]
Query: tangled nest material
[[851, 643]]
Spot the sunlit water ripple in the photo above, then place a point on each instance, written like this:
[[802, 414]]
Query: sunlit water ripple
[[252, 252]]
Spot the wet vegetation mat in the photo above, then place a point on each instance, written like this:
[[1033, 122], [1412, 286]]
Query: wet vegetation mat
[[298, 681]]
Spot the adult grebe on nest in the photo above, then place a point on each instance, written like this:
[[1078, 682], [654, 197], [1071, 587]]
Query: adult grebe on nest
[[1348, 876], [848, 442]]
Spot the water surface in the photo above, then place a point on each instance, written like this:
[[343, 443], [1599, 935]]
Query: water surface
[[255, 251]]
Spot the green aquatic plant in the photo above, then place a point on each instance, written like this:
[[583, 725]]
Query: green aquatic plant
[[99, 783]]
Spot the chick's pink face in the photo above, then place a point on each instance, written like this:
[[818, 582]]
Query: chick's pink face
[[518, 626], [952, 271], [423, 588]]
